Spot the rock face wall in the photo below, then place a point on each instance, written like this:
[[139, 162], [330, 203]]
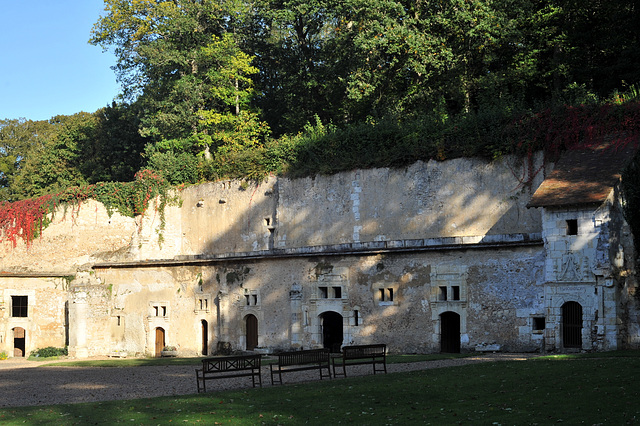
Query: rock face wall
[[440, 256]]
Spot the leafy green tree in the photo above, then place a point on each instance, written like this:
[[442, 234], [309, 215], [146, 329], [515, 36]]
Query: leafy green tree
[[115, 153], [20, 139], [55, 164]]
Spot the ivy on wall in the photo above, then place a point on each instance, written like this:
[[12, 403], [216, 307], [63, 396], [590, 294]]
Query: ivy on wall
[[26, 219]]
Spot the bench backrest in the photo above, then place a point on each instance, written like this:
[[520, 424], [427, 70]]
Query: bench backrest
[[364, 351], [231, 363], [310, 356]]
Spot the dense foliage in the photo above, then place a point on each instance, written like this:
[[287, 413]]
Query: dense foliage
[[25, 219], [244, 88], [49, 352]]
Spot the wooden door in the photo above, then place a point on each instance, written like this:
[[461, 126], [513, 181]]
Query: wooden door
[[450, 332], [252, 332], [159, 341], [19, 342], [205, 338]]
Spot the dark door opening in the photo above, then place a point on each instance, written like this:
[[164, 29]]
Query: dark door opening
[[205, 338], [19, 342], [572, 325], [332, 331], [159, 341], [251, 323], [450, 333]]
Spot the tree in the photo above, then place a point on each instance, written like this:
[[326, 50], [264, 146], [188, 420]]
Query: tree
[[20, 139]]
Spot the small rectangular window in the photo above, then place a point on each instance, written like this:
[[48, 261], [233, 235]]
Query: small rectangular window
[[572, 227], [356, 318], [389, 295], [538, 324], [442, 293], [254, 297], [381, 295], [337, 292], [324, 292], [19, 306], [456, 292], [164, 311]]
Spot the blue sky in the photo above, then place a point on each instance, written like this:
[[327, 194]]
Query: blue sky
[[47, 66]]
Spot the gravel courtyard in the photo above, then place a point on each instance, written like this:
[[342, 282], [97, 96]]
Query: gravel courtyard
[[25, 382]]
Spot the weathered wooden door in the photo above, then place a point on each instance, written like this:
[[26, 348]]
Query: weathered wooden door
[[205, 337], [572, 325], [252, 332], [450, 332], [159, 341], [19, 342]]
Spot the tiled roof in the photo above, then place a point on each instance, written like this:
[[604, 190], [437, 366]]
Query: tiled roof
[[583, 176]]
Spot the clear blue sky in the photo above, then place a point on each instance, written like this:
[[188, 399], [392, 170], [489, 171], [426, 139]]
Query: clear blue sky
[[47, 66]]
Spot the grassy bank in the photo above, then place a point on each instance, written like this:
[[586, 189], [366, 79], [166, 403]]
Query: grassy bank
[[575, 390]]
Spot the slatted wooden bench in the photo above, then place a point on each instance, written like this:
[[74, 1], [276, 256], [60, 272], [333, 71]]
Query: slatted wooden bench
[[376, 355], [229, 366], [311, 359]]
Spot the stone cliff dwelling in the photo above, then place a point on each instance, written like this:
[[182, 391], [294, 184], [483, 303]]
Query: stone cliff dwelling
[[460, 255]]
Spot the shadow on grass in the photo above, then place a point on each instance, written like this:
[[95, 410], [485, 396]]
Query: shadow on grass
[[141, 362]]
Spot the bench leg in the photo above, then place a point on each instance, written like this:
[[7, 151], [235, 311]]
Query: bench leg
[[198, 379], [336, 373]]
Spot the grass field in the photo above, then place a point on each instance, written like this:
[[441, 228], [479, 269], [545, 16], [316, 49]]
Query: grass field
[[601, 389]]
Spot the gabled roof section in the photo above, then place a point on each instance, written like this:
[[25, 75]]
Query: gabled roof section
[[584, 176]]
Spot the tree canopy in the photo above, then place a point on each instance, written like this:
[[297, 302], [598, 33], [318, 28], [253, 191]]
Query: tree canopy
[[240, 88]]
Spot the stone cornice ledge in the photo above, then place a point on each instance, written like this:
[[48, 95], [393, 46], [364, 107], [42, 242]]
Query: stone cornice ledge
[[360, 248]]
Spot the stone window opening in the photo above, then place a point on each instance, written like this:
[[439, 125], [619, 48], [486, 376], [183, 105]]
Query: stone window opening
[[203, 304], [337, 292], [159, 310], [251, 297], [446, 293], [324, 292], [442, 293], [19, 306], [334, 292], [572, 226], [386, 296], [538, 324], [455, 290], [118, 320], [356, 317]]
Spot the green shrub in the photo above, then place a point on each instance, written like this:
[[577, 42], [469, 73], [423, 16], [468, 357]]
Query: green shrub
[[49, 352], [3, 355]]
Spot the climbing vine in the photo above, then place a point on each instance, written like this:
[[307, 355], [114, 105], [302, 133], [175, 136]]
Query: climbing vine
[[26, 219]]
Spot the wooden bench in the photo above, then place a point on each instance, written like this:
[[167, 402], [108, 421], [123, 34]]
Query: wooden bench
[[311, 359], [376, 355], [229, 366]]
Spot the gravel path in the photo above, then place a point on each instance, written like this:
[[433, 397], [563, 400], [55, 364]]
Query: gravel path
[[23, 383]]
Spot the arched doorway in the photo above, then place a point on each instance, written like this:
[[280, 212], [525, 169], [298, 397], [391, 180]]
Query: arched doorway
[[19, 342], [159, 341], [450, 332], [332, 331], [572, 325], [205, 337], [251, 324]]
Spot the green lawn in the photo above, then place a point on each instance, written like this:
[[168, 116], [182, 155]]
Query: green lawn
[[569, 390]]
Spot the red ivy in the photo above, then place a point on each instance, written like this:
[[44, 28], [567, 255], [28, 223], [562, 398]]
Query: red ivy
[[26, 219]]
